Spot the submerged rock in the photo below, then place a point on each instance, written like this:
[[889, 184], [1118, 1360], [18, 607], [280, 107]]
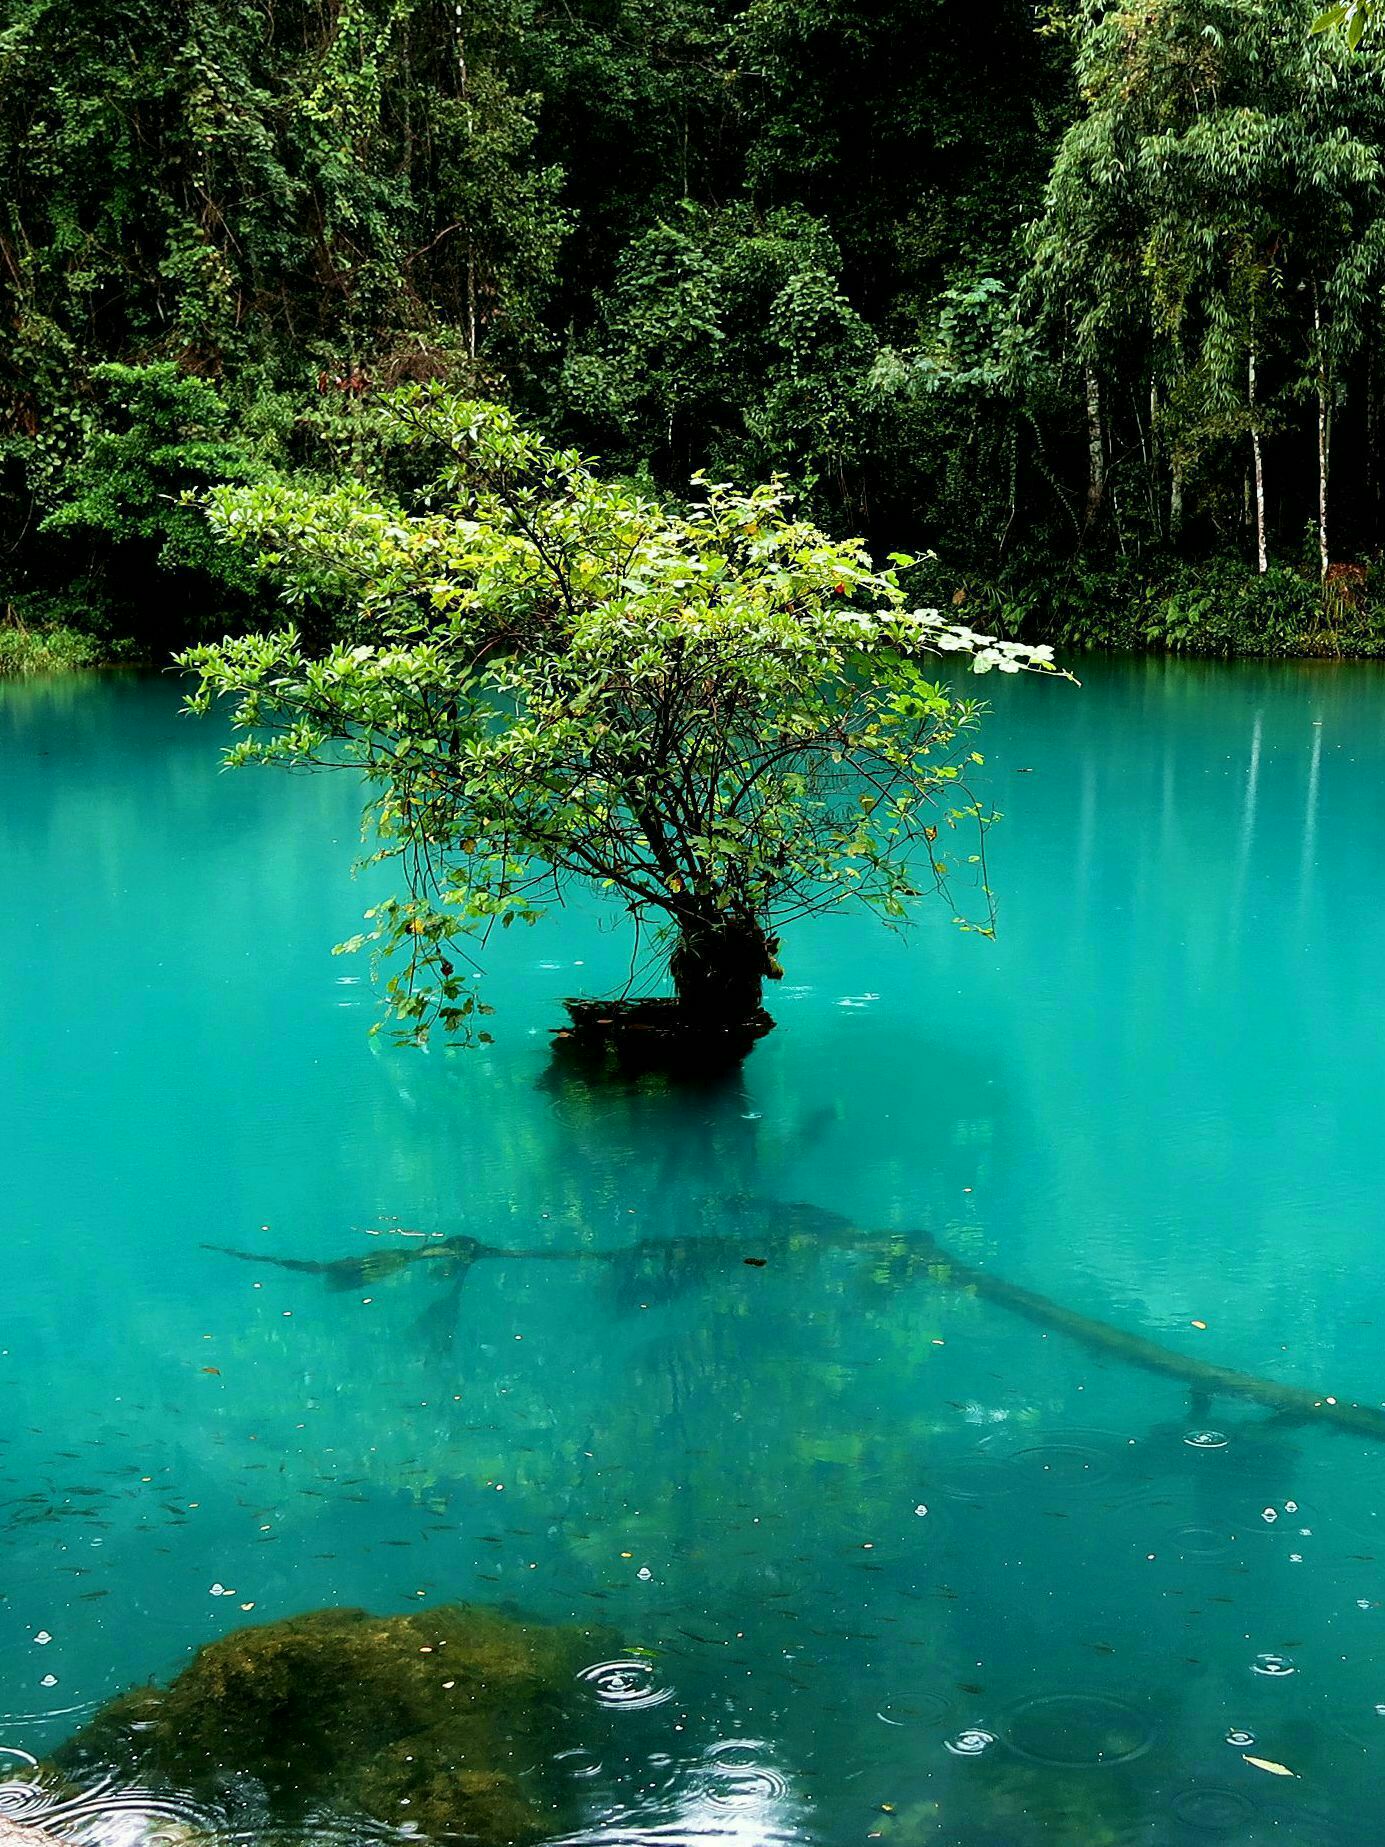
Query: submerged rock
[[445, 1721], [18, 1834]]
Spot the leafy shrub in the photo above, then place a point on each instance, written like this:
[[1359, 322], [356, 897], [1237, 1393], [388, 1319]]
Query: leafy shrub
[[154, 435], [1220, 607], [45, 650]]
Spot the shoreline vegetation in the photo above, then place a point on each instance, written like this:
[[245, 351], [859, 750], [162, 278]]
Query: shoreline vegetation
[[1199, 613], [57, 649], [1080, 306]]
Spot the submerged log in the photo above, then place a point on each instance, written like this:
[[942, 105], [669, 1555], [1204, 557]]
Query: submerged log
[[683, 1262], [1294, 1403]]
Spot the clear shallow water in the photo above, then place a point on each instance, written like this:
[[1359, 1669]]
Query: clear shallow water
[[1155, 1099]]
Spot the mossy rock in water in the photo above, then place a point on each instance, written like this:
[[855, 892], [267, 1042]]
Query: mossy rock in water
[[448, 1720]]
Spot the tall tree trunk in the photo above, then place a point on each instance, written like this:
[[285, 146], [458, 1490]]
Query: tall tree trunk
[[1261, 551], [1175, 501], [1372, 473], [719, 967], [464, 92], [1096, 449], [1324, 435], [1151, 453]]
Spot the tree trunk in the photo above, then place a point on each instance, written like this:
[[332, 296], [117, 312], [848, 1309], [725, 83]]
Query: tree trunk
[[1150, 451], [1323, 437], [719, 967], [464, 92], [1261, 552], [1096, 449]]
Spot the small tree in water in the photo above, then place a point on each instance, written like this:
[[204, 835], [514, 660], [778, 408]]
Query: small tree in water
[[720, 716]]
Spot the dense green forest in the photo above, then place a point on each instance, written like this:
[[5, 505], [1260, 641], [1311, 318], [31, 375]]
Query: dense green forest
[[1083, 302]]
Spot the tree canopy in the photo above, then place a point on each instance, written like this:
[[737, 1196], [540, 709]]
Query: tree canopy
[[717, 714], [1079, 305]]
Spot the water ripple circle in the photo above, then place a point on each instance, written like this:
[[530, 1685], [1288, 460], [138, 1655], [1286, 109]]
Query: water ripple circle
[[1078, 1458], [1073, 1730], [629, 1683], [1207, 1439], [925, 1707], [1212, 1810], [973, 1742], [1065, 1464], [735, 1775], [579, 1762], [21, 1801], [1011, 1462], [1203, 1542], [60, 1806], [1273, 1667]]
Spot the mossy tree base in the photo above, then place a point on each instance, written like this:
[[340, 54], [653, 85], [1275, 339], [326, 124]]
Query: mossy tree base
[[448, 1720], [628, 1038]]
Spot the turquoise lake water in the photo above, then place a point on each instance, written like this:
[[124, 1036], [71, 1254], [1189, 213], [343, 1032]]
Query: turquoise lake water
[[905, 1565]]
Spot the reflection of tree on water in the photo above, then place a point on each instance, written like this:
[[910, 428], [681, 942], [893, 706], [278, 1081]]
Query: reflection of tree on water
[[683, 1131]]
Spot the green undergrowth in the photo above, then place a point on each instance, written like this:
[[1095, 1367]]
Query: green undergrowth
[[1219, 607], [56, 649]]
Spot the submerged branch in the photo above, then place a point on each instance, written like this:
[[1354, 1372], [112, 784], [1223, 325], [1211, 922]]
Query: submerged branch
[[672, 1265]]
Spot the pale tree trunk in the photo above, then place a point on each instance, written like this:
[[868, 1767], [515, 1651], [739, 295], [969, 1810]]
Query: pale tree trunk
[[1096, 449], [1176, 502], [464, 90], [1324, 436], [1261, 552]]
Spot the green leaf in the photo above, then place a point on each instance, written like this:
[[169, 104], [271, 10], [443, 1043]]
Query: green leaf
[[1331, 19]]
